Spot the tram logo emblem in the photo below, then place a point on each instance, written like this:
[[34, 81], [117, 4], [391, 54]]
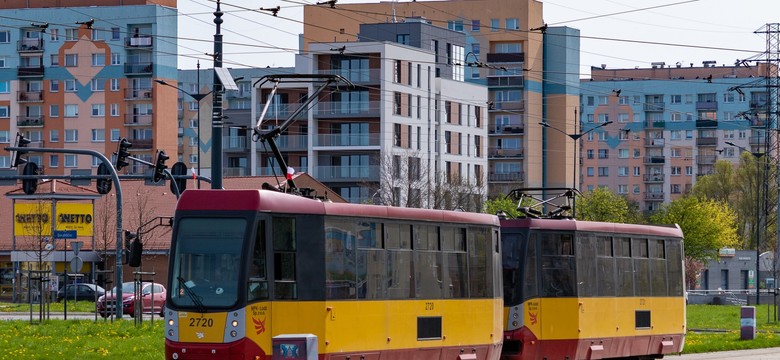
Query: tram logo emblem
[[532, 317], [259, 325], [200, 335]]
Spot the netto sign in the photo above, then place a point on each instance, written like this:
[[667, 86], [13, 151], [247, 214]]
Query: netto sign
[[35, 219]]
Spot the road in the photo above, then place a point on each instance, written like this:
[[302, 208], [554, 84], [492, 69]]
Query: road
[[757, 354]]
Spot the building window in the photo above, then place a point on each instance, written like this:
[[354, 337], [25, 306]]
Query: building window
[[54, 161], [603, 153], [495, 25], [114, 135], [98, 59], [116, 59], [54, 86], [397, 103], [475, 25], [456, 25], [98, 110], [114, 84], [623, 153], [98, 85], [54, 110], [54, 35], [512, 24], [402, 39], [114, 109], [98, 135], [71, 161], [70, 85], [4, 112], [71, 135], [97, 35], [71, 110], [623, 171], [115, 33], [54, 135], [5, 37], [71, 34], [71, 60], [675, 99]]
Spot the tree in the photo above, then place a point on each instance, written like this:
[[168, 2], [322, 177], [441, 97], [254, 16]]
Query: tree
[[707, 225], [600, 204], [720, 185], [501, 203]]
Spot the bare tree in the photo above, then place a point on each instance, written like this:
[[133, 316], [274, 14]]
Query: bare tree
[[36, 221], [105, 229], [145, 212]]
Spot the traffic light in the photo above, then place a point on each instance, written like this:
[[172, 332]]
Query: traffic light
[[21, 141], [103, 185], [122, 153], [179, 168], [129, 237], [30, 185], [159, 166]]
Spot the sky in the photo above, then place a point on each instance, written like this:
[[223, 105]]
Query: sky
[[618, 33]]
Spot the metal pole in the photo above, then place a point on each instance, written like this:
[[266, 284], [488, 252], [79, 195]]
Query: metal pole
[[216, 119], [198, 100]]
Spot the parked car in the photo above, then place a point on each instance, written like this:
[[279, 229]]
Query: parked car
[[78, 292], [152, 299]]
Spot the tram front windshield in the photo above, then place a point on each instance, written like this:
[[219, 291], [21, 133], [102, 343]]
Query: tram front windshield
[[206, 262]]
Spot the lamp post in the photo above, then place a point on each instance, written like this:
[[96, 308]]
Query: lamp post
[[575, 137], [756, 155], [197, 97]]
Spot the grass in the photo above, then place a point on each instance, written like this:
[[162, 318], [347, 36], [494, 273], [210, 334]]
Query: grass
[[121, 339], [73, 306]]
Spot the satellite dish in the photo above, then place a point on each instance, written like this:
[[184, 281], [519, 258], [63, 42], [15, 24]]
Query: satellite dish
[[49, 247]]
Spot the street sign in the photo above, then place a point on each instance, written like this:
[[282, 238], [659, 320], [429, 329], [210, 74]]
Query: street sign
[[76, 245], [76, 264], [65, 234]]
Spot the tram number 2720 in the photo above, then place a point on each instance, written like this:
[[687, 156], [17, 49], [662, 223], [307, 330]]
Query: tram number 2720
[[201, 322]]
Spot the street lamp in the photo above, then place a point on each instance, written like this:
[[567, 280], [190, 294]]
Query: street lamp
[[575, 137], [757, 155], [197, 97]]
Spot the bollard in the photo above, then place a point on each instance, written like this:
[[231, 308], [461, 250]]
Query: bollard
[[747, 322]]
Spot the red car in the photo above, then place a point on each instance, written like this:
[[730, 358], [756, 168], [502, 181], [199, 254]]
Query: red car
[[152, 298]]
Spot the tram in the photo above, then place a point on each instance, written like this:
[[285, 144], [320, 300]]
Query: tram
[[261, 274], [591, 290]]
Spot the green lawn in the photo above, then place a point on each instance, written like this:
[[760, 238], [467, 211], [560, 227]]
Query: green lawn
[[122, 339]]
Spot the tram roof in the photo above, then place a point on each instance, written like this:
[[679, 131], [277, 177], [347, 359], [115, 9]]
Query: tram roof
[[595, 226], [277, 202]]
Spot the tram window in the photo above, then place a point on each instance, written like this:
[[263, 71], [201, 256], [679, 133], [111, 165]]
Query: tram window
[[426, 237], [454, 275], [642, 285], [622, 247], [530, 278], [398, 236], [587, 276], [606, 279], [605, 246], [340, 259], [284, 246], [639, 248], [257, 287], [453, 239], [624, 268], [657, 249], [371, 274], [658, 277], [674, 266], [399, 274], [480, 269], [557, 265], [368, 235], [427, 274]]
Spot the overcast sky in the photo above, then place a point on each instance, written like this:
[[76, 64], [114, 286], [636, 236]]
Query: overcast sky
[[618, 33]]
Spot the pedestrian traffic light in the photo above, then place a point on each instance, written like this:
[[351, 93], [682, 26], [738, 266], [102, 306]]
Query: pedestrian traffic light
[[30, 185], [103, 185], [16, 159], [122, 153], [159, 166]]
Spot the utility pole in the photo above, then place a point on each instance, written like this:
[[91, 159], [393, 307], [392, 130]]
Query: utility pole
[[216, 119]]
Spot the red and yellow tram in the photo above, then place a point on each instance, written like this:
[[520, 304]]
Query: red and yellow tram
[[591, 290], [258, 274]]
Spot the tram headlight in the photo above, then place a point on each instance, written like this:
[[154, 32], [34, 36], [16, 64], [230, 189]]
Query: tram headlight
[[170, 332], [170, 322], [234, 323], [515, 316], [233, 333], [514, 323]]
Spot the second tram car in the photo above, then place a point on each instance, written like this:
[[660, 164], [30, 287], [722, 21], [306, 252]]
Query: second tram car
[[259, 274], [591, 290]]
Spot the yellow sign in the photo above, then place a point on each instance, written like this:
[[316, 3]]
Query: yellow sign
[[35, 219]]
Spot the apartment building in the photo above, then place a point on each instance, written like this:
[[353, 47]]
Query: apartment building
[[82, 77], [505, 43], [670, 125]]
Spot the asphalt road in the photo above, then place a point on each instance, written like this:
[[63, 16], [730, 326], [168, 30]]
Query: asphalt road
[[757, 354]]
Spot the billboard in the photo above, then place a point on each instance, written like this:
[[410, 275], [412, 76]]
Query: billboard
[[34, 219]]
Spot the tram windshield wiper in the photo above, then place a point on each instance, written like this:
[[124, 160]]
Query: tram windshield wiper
[[196, 300]]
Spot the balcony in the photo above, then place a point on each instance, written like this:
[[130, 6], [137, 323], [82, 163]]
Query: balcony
[[144, 68], [350, 109], [367, 139], [654, 142], [141, 144], [706, 123], [138, 94], [506, 129], [235, 143], [356, 76], [505, 81], [757, 104], [654, 160], [29, 45], [235, 171], [348, 173], [29, 71], [138, 120], [139, 41], [500, 153], [654, 196], [508, 105], [293, 142], [283, 111], [654, 178], [655, 107], [655, 124], [29, 121], [505, 57], [758, 140], [758, 123], [706, 141], [706, 159], [513, 176], [30, 96], [707, 105]]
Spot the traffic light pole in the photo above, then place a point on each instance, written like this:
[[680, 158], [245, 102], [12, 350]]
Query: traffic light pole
[[115, 178]]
